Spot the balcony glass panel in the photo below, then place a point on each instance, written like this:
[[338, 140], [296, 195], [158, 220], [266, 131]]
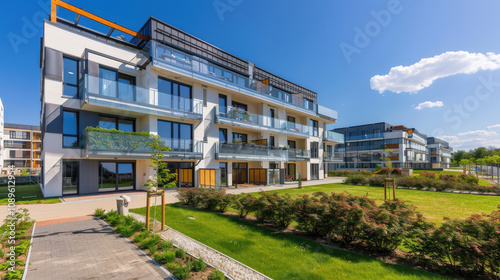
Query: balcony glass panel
[[109, 91], [365, 136], [250, 152], [329, 157], [333, 136]]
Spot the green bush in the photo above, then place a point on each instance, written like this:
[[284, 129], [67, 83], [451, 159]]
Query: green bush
[[166, 256], [188, 196], [141, 236], [376, 181], [150, 241], [181, 254], [276, 209], [428, 174], [339, 173], [125, 230], [309, 214], [356, 180], [138, 226], [182, 271], [99, 213], [217, 275], [16, 274], [244, 203], [468, 178], [199, 265], [165, 245], [153, 249]]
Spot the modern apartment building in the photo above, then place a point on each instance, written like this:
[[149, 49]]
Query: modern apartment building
[[22, 146], [228, 122], [439, 152], [1, 133], [366, 147]]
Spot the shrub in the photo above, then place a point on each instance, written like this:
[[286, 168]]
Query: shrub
[[114, 218], [187, 196], [165, 257], [141, 236], [153, 249], [165, 245], [138, 226], [356, 180], [276, 209], [199, 265], [428, 174], [364, 172], [150, 241], [215, 200], [309, 213], [244, 203], [181, 254], [126, 231], [217, 275], [99, 213], [468, 178], [182, 271], [128, 220], [339, 173], [376, 181]]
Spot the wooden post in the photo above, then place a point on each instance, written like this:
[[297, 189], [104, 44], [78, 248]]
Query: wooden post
[[148, 206], [163, 210], [393, 189]]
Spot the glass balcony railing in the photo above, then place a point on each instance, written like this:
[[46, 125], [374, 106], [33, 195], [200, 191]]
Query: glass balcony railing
[[263, 122], [298, 155], [249, 152], [333, 157], [365, 136], [102, 144], [129, 97], [333, 136], [163, 54]]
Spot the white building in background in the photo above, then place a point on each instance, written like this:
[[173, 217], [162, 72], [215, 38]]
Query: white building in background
[[1, 133], [22, 146], [227, 121]]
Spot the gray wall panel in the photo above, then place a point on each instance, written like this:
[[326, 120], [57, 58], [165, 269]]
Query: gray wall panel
[[53, 64], [89, 176]]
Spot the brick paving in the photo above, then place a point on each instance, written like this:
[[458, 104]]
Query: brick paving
[[87, 249]]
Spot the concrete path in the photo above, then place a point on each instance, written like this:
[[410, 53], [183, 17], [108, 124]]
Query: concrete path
[[86, 249], [85, 205]]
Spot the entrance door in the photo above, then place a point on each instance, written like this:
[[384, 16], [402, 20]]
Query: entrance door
[[240, 173], [107, 176], [125, 176], [314, 171], [291, 170], [70, 177]]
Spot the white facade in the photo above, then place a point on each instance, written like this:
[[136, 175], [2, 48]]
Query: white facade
[[200, 119], [1, 134]]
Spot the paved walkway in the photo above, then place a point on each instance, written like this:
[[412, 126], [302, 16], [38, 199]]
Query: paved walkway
[[85, 205], [86, 249]]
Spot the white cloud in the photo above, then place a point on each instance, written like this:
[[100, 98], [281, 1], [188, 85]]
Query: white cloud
[[429, 104], [477, 133], [494, 126], [423, 73]]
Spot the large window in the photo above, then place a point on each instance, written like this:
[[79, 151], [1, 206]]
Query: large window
[[314, 127], [223, 135], [70, 129], [177, 136], [174, 95], [314, 150], [17, 144], [19, 134], [70, 77], [314, 171], [115, 176], [116, 123], [70, 177], [239, 138], [117, 85], [223, 174], [222, 104]]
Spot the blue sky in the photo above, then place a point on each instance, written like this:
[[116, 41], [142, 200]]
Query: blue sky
[[309, 45]]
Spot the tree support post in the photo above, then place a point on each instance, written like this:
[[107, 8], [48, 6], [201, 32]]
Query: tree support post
[[387, 185], [151, 194]]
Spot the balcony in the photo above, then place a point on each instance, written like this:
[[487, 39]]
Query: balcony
[[113, 145], [249, 152], [335, 137], [365, 137], [111, 94], [237, 117], [333, 157], [198, 68], [298, 155]]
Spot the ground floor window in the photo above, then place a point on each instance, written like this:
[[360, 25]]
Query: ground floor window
[[314, 171], [116, 176], [70, 174], [291, 171], [184, 173], [223, 174], [240, 173]]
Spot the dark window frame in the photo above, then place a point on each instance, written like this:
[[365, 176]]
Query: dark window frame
[[117, 120], [224, 130], [222, 96], [314, 124], [77, 130], [241, 134], [77, 60]]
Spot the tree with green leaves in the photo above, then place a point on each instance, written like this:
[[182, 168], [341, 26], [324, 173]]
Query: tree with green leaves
[[387, 161], [162, 177], [24, 172]]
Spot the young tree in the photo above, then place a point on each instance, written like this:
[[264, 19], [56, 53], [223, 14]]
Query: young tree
[[387, 161], [162, 177]]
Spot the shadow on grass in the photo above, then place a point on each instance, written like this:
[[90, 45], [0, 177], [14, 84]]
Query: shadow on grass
[[313, 255]]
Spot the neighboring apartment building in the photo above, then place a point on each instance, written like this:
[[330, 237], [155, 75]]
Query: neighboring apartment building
[[439, 152], [366, 147], [22, 146], [227, 121]]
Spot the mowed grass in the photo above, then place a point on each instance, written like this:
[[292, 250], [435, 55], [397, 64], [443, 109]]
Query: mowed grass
[[433, 205], [439, 172], [26, 194], [276, 254]]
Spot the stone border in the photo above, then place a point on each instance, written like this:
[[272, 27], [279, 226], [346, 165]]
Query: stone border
[[26, 265], [232, 268]]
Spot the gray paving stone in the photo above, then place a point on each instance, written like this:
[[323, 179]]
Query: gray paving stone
[[86, 250]]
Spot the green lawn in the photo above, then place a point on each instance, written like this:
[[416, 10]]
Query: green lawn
[[26, 194], [434, 205], [279, 255], [438, 172]]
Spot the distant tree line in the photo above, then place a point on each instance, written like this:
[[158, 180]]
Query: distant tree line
[[481, 156]]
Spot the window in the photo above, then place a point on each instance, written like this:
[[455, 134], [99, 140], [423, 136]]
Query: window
[[70, 177], [240, 106], [314, 171], [177, 136], [70, 77], [291, 144], [314, 150], [239, 138], [314, 127], [291, 122], [116, 123], [223, 135], [223, 174], [12, 154], [273, 165], [174, 95], [222, 104], [308, 104], [271, 141], [115, 84], [70, 129], [272, 114]]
